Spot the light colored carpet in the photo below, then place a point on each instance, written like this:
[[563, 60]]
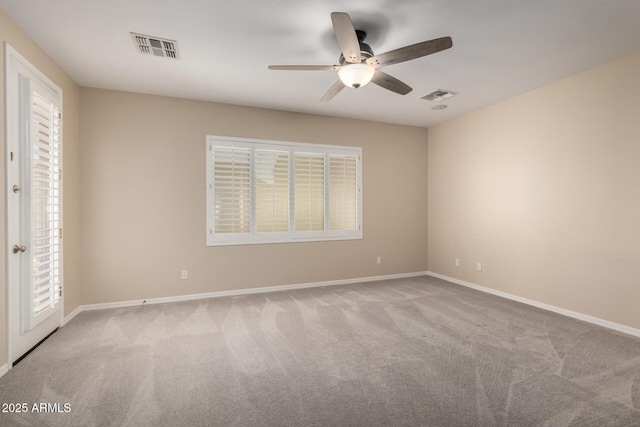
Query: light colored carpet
[[408, 352]]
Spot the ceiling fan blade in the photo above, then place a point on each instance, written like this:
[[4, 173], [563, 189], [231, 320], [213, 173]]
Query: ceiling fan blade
[[333, 91], [305, 67], [346, 36], [410, 52], [391, 83]]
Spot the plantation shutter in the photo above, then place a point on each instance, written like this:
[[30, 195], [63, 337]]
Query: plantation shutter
[[44, 205], [231, 190], [262, 191], [343, 192], [309, 192], [272, 190]]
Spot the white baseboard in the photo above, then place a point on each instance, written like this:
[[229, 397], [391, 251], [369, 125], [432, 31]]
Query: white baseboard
[[71, 315], [580, 316], [4, 369], [132, 303]]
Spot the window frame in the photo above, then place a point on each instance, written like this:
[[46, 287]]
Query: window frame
[[290, 236]]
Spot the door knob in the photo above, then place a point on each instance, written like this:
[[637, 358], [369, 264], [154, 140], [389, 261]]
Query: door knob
[[17, 248]]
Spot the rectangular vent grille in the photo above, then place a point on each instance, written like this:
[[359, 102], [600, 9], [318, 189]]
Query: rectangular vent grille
[[156, 46], [439, 95]]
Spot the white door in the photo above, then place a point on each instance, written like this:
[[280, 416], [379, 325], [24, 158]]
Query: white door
[[34, 205]]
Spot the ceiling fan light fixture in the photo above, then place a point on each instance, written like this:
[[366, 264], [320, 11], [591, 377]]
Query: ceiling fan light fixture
[[359, 66], [356, 75]]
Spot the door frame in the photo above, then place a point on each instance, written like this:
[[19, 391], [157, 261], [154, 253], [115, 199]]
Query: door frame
[[12, 123]]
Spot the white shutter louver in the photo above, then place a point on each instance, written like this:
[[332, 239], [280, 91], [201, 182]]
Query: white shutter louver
[[309, 194], [231, 189], [343, 192], [272, 190], [45, 269]]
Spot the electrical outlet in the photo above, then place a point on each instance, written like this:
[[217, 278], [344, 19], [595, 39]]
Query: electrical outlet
[[185, 274], [457, 262], [479, 266], [379, 260]]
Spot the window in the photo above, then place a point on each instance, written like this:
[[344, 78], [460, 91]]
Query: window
[[269, 191], [45, 202]]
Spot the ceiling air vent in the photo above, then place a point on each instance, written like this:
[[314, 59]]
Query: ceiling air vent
[[439, 95], [156, 46]]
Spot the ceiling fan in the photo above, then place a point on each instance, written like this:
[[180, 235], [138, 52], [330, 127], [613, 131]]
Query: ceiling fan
[[359, 66]]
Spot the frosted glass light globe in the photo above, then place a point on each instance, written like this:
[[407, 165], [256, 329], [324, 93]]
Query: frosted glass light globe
[[356, 75]]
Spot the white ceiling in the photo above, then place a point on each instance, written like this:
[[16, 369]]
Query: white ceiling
[[501, 48]]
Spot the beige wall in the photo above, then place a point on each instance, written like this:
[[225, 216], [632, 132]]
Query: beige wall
[[544, 190], [11, 34], [143, 199]]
